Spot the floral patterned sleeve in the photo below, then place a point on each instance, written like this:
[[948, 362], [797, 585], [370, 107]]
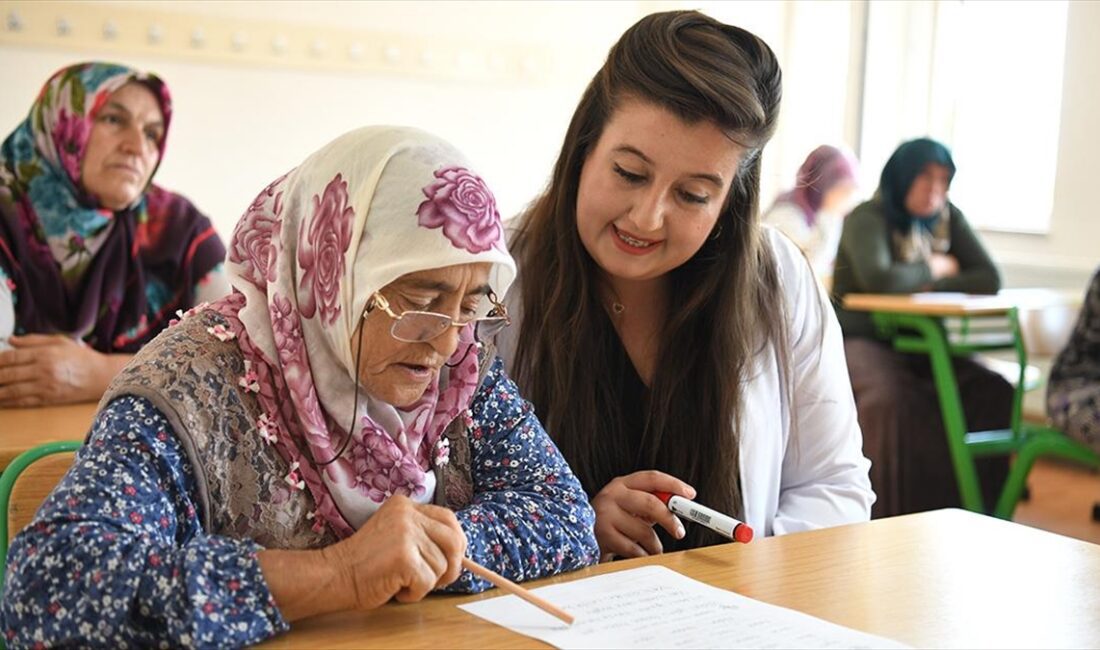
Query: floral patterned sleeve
[[529, 517], [117, 556]]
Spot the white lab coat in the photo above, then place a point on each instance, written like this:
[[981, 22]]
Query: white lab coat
[[802, 464]]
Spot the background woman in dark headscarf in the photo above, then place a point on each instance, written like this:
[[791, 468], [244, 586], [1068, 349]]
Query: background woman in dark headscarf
[[812, 212], [909, 237], [94, 258]]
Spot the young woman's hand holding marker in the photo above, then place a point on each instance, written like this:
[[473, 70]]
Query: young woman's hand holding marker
[[722, 524], [626, 511]]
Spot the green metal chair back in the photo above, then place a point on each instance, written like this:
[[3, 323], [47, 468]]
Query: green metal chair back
[[1032, 441], [1028, 441], [7, 484]]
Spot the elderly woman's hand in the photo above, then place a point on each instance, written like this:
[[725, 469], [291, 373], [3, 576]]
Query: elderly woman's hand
[[404, 551], [44, 369], [626, 510]]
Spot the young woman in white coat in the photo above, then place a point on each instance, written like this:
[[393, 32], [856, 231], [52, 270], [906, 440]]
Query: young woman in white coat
[[667, 340]]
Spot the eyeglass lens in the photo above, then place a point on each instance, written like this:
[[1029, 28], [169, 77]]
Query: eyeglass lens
[[418, 326]]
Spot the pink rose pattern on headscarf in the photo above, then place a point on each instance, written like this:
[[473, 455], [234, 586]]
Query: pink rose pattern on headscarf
[[376, 464], [381, 470], [384, 464], [70, 135], [321, 252], [290, 346], [463, 206], [251, 246]]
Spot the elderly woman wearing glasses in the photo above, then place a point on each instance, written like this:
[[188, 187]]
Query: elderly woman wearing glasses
[[336, 433]]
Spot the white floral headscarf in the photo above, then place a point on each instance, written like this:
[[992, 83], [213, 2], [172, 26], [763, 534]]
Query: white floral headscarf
[[371, 206]]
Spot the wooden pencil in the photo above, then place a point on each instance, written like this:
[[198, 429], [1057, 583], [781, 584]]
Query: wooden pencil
[[514, 589]]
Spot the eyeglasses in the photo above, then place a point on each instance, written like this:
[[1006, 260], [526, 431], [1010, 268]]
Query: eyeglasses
[[418, 327], [422, 326]]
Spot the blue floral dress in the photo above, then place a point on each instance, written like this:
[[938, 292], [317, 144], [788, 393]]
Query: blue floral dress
[[117, 555], [1073, 392]]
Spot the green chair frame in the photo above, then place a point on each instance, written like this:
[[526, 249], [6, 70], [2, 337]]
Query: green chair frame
[[7, 482], [915, 333]]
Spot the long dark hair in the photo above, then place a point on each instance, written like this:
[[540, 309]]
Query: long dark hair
[[724, 303]]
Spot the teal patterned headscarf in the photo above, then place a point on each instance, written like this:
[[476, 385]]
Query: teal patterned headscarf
[[111, 278], [915, 236], [905, 164], [45, 153]]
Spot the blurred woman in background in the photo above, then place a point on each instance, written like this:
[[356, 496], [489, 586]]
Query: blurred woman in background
[[94, 258], [909, 237], [812, 213]]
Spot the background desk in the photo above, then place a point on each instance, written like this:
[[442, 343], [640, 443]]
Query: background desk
[[914, 324], [21, 429], [947, 578], [957, 304]]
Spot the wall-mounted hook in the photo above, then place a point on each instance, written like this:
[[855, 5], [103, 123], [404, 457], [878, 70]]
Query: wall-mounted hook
[[14, 23], [239, 41], [279, 44]]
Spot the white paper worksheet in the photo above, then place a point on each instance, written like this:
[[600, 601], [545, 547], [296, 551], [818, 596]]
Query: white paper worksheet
[[655, 607]]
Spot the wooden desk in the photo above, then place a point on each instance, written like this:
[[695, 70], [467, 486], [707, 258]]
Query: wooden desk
[[928, 304], [955, 304], [948, 578], [21, 429]]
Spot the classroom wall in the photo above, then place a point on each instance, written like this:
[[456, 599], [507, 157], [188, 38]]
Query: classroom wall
[[238, 125], [1070, 252], [244, 116], [500, 80]]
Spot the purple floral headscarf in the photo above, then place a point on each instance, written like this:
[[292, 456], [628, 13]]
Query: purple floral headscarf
[[461, 204], [304, 259], [825, 168]]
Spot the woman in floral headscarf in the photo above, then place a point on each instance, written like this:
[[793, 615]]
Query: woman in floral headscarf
[[812, 212], [220, 495], [94, 258]]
